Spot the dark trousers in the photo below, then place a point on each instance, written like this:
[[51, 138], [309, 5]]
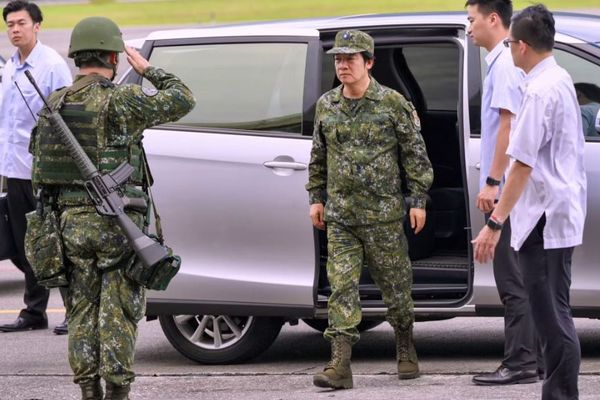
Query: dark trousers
[[21, 201], [547, 276], [520, 350]]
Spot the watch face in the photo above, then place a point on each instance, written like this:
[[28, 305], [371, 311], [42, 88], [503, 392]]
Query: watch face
[[491, 181], [493, 225]]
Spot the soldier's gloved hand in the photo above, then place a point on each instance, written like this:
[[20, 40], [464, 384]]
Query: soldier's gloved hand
[[317, 213], [417, 219], [135, 59]]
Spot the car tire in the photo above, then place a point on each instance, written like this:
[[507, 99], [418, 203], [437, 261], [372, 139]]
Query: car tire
[[321, 324], [235, 340]]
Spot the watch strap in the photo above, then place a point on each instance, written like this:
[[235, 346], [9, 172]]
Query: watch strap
[[491, 181], [494, 224]]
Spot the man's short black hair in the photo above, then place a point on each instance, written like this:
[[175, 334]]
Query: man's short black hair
[[17, 5], [367, 55], [92, 58], [535, 26], [503, 8]]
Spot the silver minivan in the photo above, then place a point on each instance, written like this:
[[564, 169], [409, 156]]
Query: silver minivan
[[230, 176]]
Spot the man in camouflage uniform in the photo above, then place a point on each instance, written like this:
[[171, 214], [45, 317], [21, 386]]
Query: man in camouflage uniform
[[103, 304], [362, 132]]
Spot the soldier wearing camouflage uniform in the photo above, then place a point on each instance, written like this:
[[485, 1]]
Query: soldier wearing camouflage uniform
[[103, 304], [363, 132]]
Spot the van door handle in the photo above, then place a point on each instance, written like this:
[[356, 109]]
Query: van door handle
[[478, 166], [296, 166]]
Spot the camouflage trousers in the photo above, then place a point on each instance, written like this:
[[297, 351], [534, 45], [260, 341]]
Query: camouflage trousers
[[384, 249], [103, 305]]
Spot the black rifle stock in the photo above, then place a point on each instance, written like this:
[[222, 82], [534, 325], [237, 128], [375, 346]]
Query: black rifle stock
[[104, 190]]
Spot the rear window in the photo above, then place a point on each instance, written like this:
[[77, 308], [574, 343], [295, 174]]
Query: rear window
[[580, 69], [586, 77], [432, 69], [246, 86], [436, 69]]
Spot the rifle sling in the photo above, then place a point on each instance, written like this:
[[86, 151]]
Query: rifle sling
[[152, 204]]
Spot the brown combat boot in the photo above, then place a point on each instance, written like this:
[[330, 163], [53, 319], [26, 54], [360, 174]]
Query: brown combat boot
[[406, 354], [337, 374], [91, 390], [117, 392]]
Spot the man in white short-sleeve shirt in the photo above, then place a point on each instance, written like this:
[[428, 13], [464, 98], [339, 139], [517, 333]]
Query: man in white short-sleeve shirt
[[545, 194], [501, 98], [19, 105]]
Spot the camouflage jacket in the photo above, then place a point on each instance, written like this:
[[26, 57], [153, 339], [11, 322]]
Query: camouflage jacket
[[356, 157], [126, 111], [133, 109]]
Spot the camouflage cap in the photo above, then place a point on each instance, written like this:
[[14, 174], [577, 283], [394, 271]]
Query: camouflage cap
[[352, 41]]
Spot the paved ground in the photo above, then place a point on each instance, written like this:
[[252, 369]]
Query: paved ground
[[34, 364]]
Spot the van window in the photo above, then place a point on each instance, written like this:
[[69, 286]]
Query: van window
[[246, 86], [586, 77], [436, 68], [433, 67]]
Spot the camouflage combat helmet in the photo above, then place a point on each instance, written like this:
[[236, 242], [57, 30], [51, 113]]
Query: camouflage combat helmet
[[352, 41], [96, 33]]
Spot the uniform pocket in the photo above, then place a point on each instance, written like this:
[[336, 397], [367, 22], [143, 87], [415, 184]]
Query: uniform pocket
[[383, 175], [133, 299], [44, 249]]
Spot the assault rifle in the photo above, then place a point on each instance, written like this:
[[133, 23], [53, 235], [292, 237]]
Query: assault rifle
[[105, 190]]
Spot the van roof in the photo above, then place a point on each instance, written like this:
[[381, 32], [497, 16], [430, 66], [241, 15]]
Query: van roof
[[572, 27]]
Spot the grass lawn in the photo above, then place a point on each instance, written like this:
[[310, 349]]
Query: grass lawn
[[176, 12]]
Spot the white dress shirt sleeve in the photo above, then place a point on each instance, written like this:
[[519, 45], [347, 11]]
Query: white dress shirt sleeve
[[529, 131], [506, 93]]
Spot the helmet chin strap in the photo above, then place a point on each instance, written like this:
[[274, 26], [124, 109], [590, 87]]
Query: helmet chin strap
[[114, 75], [110, 64], [114, 61]]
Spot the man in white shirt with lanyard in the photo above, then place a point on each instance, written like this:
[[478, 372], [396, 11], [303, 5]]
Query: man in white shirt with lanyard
[[501, 98], [545, 195], [18, 106]]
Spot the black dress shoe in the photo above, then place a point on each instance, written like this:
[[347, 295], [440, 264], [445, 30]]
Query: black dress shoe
[[22, 324], [62, 328], [505, 376]]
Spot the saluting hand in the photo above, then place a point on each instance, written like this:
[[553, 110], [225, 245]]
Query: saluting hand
[[135, 59], [317, 213], [417, 219]]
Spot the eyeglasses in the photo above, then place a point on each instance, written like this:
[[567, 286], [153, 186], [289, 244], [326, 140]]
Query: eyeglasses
[[507, 42]]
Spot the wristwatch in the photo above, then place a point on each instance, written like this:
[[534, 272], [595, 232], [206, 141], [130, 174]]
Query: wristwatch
[[492, 182], [494, 224]]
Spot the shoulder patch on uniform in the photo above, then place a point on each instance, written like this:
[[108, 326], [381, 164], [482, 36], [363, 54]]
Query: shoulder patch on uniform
[[149, 91], [415, 118]]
